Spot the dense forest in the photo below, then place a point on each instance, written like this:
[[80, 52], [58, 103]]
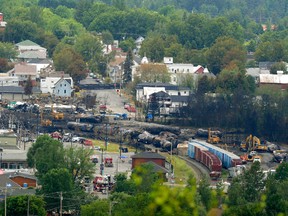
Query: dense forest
[[214, 34]]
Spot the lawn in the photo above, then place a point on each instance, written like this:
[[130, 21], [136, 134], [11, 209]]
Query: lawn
[[111, 147], [181, 170]]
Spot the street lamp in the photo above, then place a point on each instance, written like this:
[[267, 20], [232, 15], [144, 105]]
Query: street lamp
[[1, 151]]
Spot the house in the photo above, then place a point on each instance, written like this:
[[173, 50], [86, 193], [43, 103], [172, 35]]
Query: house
[[16, 93], [29, 50], [23, 71], [22, 179], [145, 157], [138, 43], [144, 90], [48, 85], [15, 185], [167, 98], [40, 64], [179, 71], [116, 66], [159, 103], [278, 80], [137, 61], [2, 22], [6, 80], [63, 88]]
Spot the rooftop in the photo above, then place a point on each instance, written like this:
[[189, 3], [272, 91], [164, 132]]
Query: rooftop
[[148, 155]]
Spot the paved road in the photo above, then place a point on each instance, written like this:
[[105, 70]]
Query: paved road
[[113, 101]]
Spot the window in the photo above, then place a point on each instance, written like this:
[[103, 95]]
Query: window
[[58, 90], [60, 85], [65, 91], [179, 94], [52, 81], [64, 84], [188, 70]]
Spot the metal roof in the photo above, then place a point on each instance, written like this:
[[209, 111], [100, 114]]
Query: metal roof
[[148, 155], [17, 89]]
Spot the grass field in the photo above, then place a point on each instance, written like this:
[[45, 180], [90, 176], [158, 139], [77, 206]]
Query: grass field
[[111, 147], [181, 170]]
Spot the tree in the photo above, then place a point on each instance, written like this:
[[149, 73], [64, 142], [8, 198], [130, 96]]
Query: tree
[[153, 73], [276, 193], [127, 76], [4, 65], [279, 66], [18, 30], [17, 205], [70, 62], [127, 44], [53, 183], [99, 207], [153, 47], [107, 38], [45, 154], [7, 50], [90, 48], [28, 87], [78, 163], [223, 52], [245, 193]]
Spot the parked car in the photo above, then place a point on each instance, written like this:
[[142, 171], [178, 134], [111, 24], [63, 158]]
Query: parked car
[[88, 142], [77, 139]]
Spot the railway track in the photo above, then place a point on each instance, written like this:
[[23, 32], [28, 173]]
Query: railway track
[[199, 170]]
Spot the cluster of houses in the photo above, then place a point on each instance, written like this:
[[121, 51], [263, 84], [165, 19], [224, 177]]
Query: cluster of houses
[[33, 63]]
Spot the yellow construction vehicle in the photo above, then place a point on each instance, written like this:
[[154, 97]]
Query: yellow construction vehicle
[[45, 122], [56, 115], [213, 139], [253, 143]]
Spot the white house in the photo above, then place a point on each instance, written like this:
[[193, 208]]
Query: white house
[[171, 97], [29, 50], [40, 64], [279, 79], [48, 85], [9, 81], [178, 71], [63, 88], [138, 43], [144, 90]]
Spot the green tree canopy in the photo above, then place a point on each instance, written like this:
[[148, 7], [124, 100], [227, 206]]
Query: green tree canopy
[[45, 154], [223, 52], [70, 62], [7, 50], [17, 205]]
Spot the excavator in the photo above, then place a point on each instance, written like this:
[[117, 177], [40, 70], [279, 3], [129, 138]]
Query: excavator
[[45, 122], [213, 139], [56, 115], [253, 143]]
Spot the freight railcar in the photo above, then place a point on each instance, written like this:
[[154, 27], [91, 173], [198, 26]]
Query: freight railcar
[[228, 159], [202, 155]]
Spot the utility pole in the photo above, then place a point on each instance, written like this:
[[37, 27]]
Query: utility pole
[[106, 137], [61, 198], [5, 209], [28, 205], [102, 164]]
